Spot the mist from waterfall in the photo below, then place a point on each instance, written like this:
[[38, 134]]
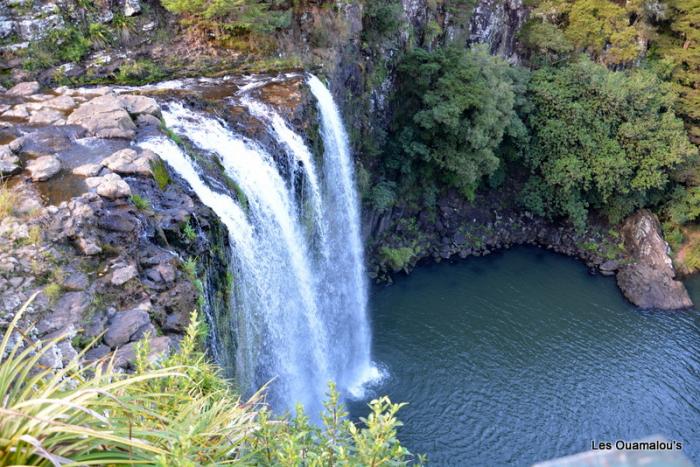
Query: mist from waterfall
[[300, 300]]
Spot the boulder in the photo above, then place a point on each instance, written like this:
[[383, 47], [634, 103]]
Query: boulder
[[47, 117], [24, 89], [88, 170], [68, 311], [159, 347], [132, 7], [123, 275], [140, 105], [43, 168], [104, 116], [125, 324], [110, 186], [62, 103], [9, 163], [648, 280], [129, 162], [17, 111]]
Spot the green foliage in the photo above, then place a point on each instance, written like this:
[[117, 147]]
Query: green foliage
[[226, 19], [454, 108], [190, 268], [140, 202], [52, 292], [684, 205], [139, 72], [173, 411], [381, 19], [189, 232], [59, 45], [161, 175], [609, 31], [397, 258], [679, 42], [600, 139]]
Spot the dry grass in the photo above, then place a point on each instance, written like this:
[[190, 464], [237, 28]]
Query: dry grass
[[8, 199]]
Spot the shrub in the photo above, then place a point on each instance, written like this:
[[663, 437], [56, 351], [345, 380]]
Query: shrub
[[140, 202], [189, 232], [397, 258], [190, 268], [160, 173], [53, 292], [59, 45], [139, 72]]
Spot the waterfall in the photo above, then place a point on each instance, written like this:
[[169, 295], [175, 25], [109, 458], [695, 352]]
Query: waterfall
[[300, 303]]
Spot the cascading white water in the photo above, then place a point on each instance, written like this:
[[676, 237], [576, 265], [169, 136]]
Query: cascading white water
[[345, 274], [301, 312]]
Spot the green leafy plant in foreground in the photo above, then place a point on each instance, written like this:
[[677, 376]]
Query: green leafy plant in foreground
[[173, 411]]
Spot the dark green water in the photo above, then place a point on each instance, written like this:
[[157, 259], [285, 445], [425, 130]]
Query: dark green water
[[523, 356]]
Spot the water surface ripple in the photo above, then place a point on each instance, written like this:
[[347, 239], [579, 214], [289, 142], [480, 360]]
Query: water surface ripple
[[523, 356]]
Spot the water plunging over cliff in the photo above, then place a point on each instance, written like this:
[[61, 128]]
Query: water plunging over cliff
[[300, 293]]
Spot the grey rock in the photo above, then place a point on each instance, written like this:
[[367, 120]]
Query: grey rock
[[24, 89], [9, 163], [123, 325], [649, 280], [123, 275], [147, 121], [68, 311], [132, 7], [159, 347], [104, 116], [43, 168], [76, 282], [63, 103], [87, 170], [96, 353], [140, 105], [47, 117], [129, 162], [88, 246], [117, 222], [110, 186], [17, 111]]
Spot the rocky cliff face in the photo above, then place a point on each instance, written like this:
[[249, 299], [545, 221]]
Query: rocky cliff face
[[87, 224], [648, 278]]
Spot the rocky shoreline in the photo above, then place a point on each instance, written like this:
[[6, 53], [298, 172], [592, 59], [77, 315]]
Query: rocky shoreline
[[634, 252]]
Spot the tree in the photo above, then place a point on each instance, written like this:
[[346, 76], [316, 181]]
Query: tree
[[679, 42], [612, 32], [600, 139], [453, 109]]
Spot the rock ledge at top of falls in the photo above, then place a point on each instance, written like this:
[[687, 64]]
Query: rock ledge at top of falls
[[648, 280]]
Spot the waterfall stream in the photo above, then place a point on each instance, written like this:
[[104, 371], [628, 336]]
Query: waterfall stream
[[300, 303]]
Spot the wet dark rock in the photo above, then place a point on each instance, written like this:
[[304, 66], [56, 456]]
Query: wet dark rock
[[118, 222]]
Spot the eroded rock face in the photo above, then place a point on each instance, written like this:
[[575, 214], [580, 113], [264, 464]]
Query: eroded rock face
[[648, 280]]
